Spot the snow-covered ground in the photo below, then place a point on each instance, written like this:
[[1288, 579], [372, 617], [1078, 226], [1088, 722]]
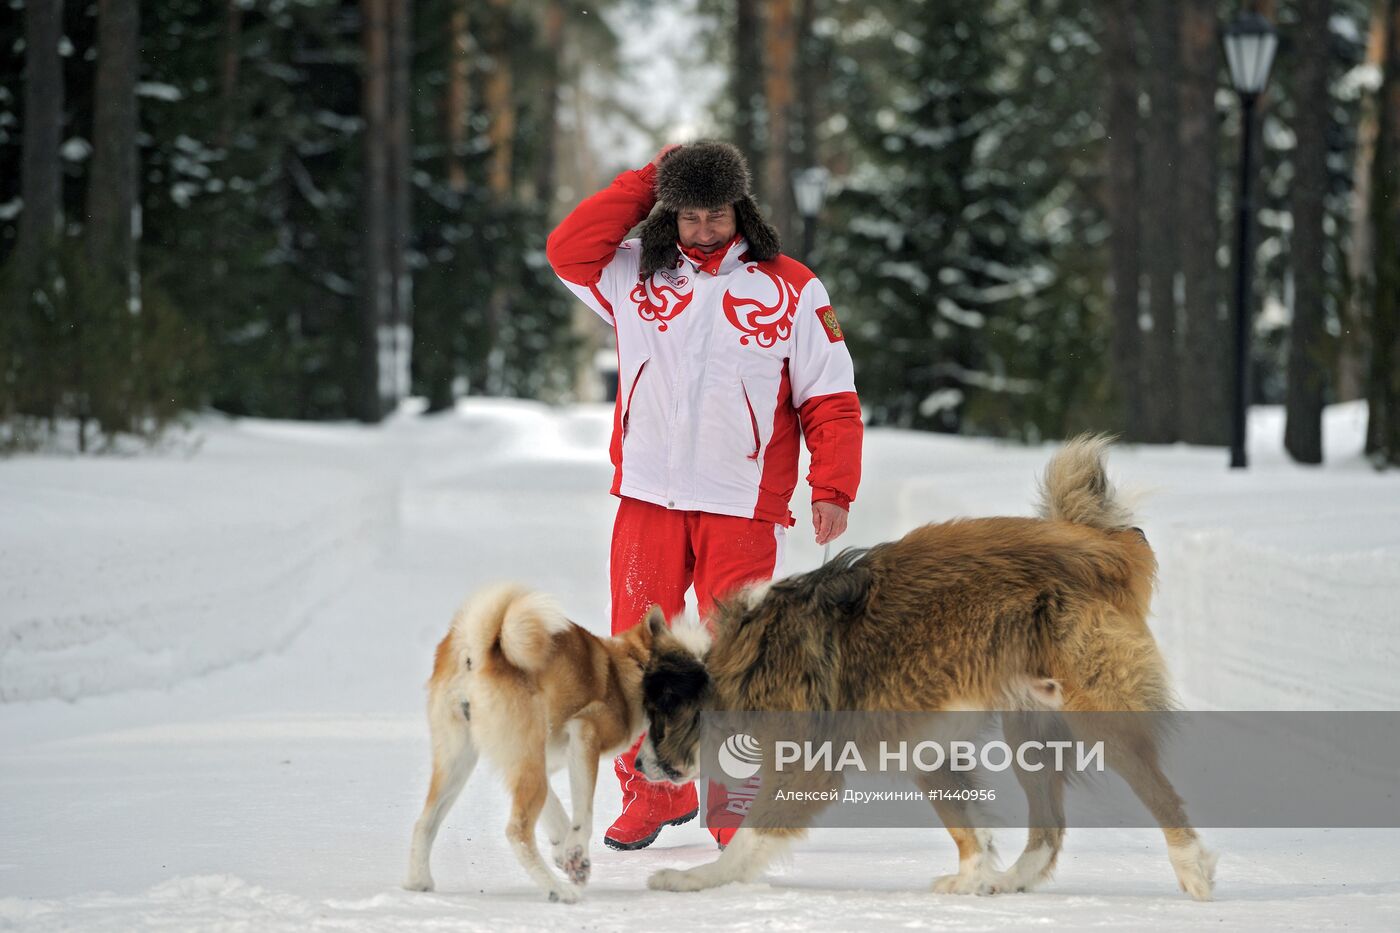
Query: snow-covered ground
[[211, 672]]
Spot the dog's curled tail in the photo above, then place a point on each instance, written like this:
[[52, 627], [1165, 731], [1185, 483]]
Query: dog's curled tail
[[521, 622], [1076, 487]]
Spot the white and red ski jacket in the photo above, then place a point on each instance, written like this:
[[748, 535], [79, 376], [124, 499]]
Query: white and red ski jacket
[[718, 374]]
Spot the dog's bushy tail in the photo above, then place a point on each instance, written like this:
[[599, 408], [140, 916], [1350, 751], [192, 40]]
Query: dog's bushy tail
[[521, 622], [1076, 487]]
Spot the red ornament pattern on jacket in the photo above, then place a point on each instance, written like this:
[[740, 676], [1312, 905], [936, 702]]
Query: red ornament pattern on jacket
[[660, 302], [765, 324]]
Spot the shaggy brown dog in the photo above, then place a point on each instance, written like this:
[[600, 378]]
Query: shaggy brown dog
[[516, 681], [993, 613]]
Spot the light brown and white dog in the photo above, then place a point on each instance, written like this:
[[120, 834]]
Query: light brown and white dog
[[990, 613], [516, 681]]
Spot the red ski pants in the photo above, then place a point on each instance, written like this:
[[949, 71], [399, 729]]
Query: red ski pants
[[657, 554]]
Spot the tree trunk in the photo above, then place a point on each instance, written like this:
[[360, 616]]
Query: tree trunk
[[810, 78], [457, 97], [1161, 224], [500, 103], [1204, 408], [377, 301], [1356, 313], [1383, 429], [746, 82], [216, 310], [400, 190], [546, 180], [810, 75], [386, 334], [1302, 435], [228, 71], [1121, 207], [780, 91], [112, 180], [41, 179]]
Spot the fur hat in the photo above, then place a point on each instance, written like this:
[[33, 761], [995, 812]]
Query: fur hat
[[706, 175]]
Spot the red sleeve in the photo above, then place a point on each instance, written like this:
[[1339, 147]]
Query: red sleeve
[[583, 244], [832, 426], [820, 494]]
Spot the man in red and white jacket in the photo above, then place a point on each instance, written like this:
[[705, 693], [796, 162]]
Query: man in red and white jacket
[[728, 353]]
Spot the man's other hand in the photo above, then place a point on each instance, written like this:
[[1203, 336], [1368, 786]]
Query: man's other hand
[[829, 521]]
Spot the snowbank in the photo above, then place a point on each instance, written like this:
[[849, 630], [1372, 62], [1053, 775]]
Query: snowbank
[[1279, 586], [143, 571]]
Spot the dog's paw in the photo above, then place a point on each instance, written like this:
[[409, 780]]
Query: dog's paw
[[419, 883], [1195, 870], [674, 879], [557, 849], [1200, 889], [1006, 882], [564, 894], [577, 865], [969, 883]]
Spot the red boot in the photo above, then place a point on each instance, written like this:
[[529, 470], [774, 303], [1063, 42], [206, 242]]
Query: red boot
[[726, 808], [646, 807]]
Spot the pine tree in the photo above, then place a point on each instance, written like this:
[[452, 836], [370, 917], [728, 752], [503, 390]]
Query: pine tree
[[962, 247]]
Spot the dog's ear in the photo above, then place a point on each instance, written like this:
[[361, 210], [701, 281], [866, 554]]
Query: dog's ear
[[725, 611], [656, 621], [844, 590]]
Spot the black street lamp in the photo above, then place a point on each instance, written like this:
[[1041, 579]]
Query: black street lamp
[[809, 187], [1250, 43]]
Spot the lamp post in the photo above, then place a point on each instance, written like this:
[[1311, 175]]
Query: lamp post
[[809, 187], [1250, 43]]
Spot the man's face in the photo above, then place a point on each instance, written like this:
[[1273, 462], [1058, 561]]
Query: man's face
[[706, 230]]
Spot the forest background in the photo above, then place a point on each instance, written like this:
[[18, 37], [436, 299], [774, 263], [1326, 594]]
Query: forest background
[[317, 209]]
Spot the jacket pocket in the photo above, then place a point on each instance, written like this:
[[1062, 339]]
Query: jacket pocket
[[627, 409], [753, 422]]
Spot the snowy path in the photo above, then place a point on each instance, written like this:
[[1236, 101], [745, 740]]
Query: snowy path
[[279, 794]]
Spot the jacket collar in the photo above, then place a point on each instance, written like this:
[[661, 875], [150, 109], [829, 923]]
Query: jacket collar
[[721, 262]]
